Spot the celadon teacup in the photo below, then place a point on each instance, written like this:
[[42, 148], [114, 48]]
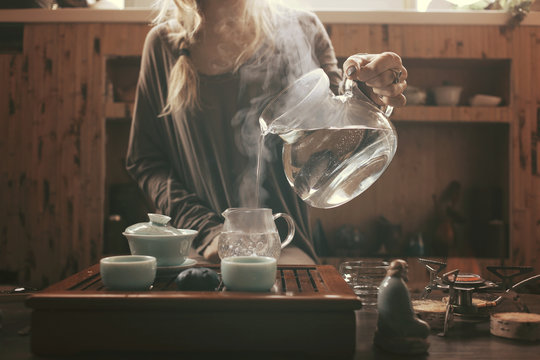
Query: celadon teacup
[[248, 273], [128, 272]]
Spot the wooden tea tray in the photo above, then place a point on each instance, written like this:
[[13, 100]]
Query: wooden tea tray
[[309, 310]]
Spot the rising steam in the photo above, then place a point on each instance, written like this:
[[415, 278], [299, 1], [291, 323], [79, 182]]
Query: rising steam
[[291, 57]]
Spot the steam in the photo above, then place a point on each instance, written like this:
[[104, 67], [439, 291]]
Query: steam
[[291, 57]]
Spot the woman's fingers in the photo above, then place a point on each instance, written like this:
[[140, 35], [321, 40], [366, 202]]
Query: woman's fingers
[[365, 67], [395, 101], [383, 76], [390, 90], [387, 78], [389, 96], [354, 63]]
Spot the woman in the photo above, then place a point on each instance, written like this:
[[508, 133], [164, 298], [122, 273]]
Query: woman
[[208, 69]]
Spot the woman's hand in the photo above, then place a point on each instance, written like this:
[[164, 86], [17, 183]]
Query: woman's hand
[[211, 251], [382, 77]]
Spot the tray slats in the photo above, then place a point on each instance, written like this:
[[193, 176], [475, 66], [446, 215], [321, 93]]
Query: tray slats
[[96, 285], [296, 288], [306, 284], [289, 281], [84, 283], [319, 282]]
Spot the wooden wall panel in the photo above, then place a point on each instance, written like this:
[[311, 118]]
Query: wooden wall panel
[[534, 226], [428, 158], [52, 179], [423, 41], [123, 39], [13, 244], [526, 131]]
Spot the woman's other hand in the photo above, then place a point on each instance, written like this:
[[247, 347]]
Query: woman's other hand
[[211, 251], [380, 76]]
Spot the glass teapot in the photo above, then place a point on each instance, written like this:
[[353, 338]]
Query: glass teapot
[[249, 231], [335, 147]]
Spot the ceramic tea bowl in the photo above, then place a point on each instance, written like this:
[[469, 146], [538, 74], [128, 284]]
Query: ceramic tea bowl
[[128, 272], [248, 273]]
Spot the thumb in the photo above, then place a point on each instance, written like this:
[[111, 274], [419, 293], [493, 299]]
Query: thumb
[[353, 65]]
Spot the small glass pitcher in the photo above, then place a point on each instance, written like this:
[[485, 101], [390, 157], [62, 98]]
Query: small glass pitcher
[[248, 231]]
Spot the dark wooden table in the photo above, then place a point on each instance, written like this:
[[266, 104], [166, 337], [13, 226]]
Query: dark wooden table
[[465, 341]]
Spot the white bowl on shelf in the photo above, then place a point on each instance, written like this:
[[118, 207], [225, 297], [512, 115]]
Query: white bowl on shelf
[[415, 95], [447, 95], [484, 100]]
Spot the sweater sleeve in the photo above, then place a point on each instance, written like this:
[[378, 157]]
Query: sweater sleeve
[[151, 139], [324, 51]]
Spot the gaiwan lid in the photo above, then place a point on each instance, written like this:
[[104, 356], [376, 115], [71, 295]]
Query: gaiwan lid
[[156, 226]]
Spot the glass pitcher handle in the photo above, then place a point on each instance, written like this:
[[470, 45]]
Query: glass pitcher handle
[[290, 225]]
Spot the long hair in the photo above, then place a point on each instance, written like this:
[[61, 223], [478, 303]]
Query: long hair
[[185, 20]]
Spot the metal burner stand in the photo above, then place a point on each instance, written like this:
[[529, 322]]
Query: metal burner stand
[[461, 288]]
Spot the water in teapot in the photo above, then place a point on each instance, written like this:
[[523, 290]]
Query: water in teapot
[[335, 147], [328, 167]]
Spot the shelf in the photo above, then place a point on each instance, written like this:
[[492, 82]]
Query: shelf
[[122, 76], [453, 114], [483, 114], [474, 76]]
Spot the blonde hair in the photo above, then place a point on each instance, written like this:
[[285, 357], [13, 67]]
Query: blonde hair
[[183, 92]]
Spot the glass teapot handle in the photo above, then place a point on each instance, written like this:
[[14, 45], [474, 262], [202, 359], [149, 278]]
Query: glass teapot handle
[[348, 86], [388, 111], [290, 226]]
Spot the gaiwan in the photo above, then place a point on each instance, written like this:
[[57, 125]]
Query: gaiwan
[[169, 245]]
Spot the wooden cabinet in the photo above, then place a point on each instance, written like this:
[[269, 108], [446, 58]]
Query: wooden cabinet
[[57, 104]]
